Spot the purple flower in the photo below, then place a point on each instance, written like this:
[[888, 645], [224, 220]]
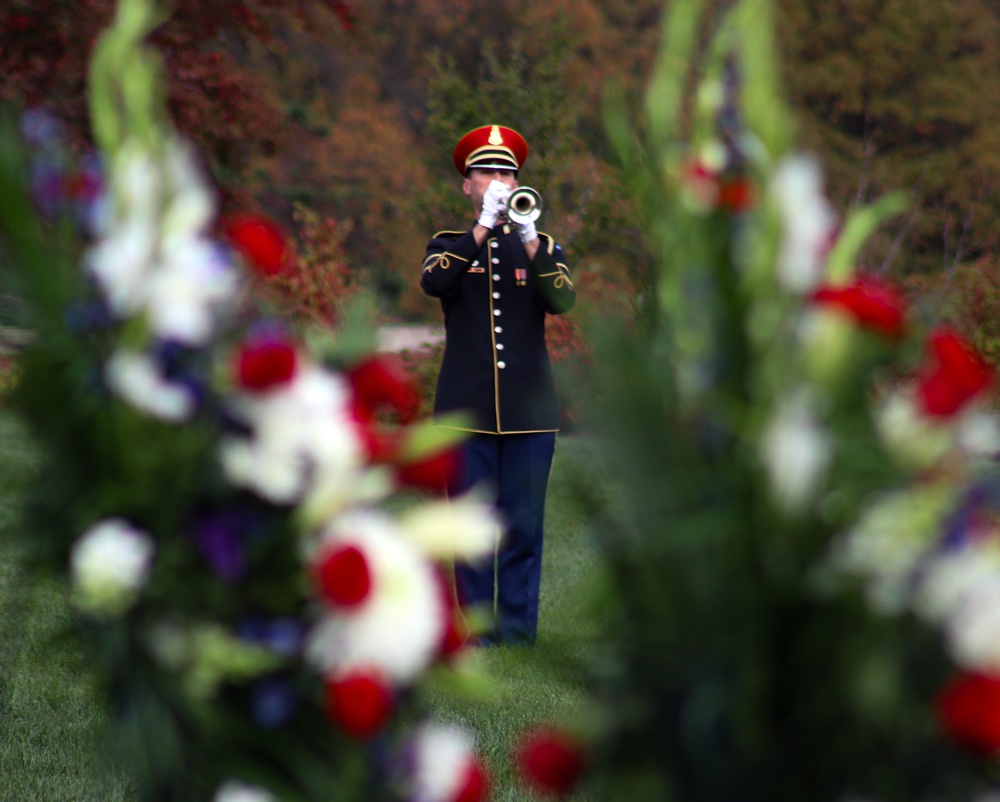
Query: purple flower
[[220, 536], [961, 522], [41, 128], [180, 364], [283, 635], [273, 701], [48, 184], [87, 316], [86, 193]]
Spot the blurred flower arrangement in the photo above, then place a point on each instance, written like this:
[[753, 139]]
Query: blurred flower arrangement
[[799, 513], [217, 491]]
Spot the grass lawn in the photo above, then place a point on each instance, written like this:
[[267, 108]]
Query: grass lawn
[[49, 722], [51, 725]]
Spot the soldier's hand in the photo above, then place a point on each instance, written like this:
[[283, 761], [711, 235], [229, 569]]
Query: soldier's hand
[[494, 203], [527, 231]]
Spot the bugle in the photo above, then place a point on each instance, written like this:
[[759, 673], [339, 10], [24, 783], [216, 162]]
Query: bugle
[[524, 205]]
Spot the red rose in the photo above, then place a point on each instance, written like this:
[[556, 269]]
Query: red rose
[[872, 303], [261, 242], [455, 634], [377, 383], [475, 786], [380, 444], [343, 577], [435, 473], [955, 376], [262, 365], [359, 704], [550, 761], [735, 195], [968, 709]]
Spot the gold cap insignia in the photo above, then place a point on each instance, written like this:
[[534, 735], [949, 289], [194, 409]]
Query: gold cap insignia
[[496, 138]]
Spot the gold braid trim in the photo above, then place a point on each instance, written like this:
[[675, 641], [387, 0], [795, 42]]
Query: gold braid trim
[[561, 279], [442, 260]]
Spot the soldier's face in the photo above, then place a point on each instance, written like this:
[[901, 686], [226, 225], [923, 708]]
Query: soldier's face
[[478, 180]]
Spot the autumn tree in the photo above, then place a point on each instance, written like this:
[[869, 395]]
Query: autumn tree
[[328, 104], [226, 108], [903, 96]]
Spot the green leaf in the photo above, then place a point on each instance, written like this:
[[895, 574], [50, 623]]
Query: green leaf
[[433, 437], [665, 96], [766, 112], [857, 230]]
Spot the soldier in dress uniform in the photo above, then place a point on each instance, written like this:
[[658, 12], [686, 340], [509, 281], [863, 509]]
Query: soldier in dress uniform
[[497, 281]]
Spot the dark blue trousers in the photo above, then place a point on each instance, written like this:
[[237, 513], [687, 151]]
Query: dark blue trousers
[[515, 468]]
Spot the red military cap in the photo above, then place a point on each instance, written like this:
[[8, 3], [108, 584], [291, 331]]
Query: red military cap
[[491, 146]]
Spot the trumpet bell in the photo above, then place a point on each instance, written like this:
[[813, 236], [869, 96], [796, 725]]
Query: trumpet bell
[[524, 205]]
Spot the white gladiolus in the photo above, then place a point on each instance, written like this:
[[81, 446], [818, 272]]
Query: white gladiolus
[[189, 285], [137, 379], [441, 760], [890, 539], [331, 492], [950, 577], [154, 256], [397, 629], [121, 263], [796, 449], [828, 340], [302, 435], [192, 206], [238, 791], [137, 183], [465, 527], [978, 434], [271, 470], [110, 564], [808, 222], [913, 438], [973, 630]]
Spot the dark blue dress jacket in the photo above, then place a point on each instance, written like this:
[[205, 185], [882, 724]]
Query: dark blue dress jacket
[[496, 364]]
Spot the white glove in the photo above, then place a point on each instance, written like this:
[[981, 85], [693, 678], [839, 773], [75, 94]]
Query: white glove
[[494, 203], [526, 231]]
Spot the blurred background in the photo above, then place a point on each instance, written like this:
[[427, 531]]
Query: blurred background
[[338, 118]]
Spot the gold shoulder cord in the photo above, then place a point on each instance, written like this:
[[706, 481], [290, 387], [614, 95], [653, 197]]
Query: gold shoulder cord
[[550, 242]]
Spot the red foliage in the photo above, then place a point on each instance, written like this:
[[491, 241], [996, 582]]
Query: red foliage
[[422, 365], [8, 376], [344, 13], [316, 284], [214, 97]]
